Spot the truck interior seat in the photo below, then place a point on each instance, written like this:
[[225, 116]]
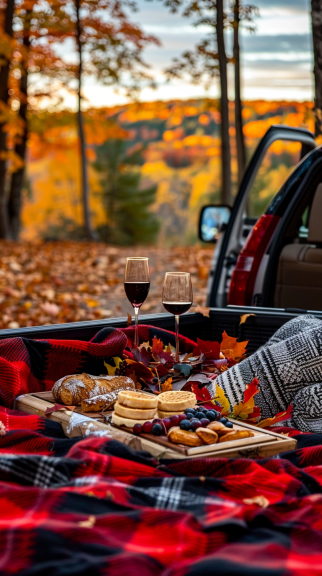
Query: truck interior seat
[[299, 274]]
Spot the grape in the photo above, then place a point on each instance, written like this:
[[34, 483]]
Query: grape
[[195, 424], [182, 417], [156, 420], [137, 428], [204, 422], [147, 427], [167, 423], [174, 420]]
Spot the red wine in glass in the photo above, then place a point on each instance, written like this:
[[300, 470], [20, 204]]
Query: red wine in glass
[[137, 286], [177, 308], [137, 292], [177, 298]]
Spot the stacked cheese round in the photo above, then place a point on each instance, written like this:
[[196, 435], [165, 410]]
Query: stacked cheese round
[[134, 407], [175, 402]]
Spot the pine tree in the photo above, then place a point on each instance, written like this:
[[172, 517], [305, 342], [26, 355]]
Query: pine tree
[[129, 220]]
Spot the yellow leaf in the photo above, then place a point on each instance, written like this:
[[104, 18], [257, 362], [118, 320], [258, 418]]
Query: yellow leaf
[[244, 317], [221, 398], [91, 303], [167, 385], [111, 369]]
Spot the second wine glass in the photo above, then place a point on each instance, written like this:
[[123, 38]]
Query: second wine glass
[[137, 286], [177, 297]]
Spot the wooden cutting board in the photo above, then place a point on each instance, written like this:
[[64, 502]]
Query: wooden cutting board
[[263, 444]]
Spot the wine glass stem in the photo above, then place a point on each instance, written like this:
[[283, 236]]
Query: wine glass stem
[[177, 337], [136, 333]]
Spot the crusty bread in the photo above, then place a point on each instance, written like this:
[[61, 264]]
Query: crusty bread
[[71, 390], [136, 413], [137, 399], [185, 437], [173, 401], [100, 402], [207, 436]]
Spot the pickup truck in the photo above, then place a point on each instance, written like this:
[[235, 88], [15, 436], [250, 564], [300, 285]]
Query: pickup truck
[[276, 260]]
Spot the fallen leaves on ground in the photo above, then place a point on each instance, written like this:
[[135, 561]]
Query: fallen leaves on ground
[[57, 282]]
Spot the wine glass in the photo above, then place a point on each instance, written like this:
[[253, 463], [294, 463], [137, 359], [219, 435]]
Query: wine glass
[[137, 286], [177, 297]]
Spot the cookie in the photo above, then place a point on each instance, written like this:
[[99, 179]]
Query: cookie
[[236, 435], [179, 436], [207, 436]]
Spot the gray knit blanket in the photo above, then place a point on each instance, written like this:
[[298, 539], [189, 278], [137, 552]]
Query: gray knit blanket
[[289, 370]]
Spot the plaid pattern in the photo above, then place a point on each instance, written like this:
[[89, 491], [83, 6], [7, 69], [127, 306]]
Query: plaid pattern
[[35, 365], [104, 509], [96, 507]]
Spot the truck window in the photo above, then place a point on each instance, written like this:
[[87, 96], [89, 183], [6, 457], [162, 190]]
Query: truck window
[[277, 164]]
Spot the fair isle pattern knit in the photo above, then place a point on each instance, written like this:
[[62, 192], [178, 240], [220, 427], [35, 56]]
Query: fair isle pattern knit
[[289, 370]]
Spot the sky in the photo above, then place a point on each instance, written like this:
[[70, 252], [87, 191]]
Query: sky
[[277, 60]]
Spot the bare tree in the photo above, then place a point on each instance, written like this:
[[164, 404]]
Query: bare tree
[[316, 13]]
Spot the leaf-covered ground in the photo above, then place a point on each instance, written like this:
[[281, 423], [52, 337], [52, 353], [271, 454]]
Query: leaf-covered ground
[[57, 282]]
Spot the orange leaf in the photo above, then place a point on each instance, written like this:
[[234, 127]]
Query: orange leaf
[[167, 385], [280, 417], [251, 390], [157, 346], [244, 317], [129, 319], [202, 310], [231, 348]]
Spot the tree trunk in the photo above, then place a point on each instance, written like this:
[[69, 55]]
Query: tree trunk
[[14, 203], [4, 97], [240, 142], [225, 145], [317, 49], [81, 133]]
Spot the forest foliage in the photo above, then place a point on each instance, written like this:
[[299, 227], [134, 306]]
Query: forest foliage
[[174, 146]]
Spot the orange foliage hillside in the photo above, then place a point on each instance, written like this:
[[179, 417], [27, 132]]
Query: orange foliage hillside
[[180, 142]]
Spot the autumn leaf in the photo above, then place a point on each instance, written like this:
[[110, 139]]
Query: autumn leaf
[[208, 348], [129, 319], [111, 369], [140, 370], [142, 355], [57, 407], [251, 390], [157, 346], [223, 401], [202, 310], [231, 348], [145, 345], [280, 417], [202, 394], [167, 385], [244, 317]]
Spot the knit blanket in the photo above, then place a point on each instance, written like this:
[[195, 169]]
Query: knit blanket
[[94, 507], [289, 370]]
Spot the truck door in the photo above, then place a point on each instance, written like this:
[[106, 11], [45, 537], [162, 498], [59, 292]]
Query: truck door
[[251, 201]]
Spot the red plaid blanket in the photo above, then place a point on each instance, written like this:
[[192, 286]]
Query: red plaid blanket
[[95, 507]]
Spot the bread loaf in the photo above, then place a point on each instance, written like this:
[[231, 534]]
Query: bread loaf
[[71, 390], [101, 402]]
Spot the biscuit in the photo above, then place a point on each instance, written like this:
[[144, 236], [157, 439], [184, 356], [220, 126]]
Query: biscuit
[[236, 435]]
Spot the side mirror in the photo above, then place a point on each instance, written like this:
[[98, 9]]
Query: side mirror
[[213, 221]]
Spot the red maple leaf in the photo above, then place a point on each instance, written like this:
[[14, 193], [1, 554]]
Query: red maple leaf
[[208, 348], [202, 394], [251, 390]]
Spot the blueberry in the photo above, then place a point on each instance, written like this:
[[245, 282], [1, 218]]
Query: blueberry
[[185, 425], [199, 415], [229, 425], [190, 411], [157, 430], [211, 416], [195, 424], [223, 420], [189, 416]]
